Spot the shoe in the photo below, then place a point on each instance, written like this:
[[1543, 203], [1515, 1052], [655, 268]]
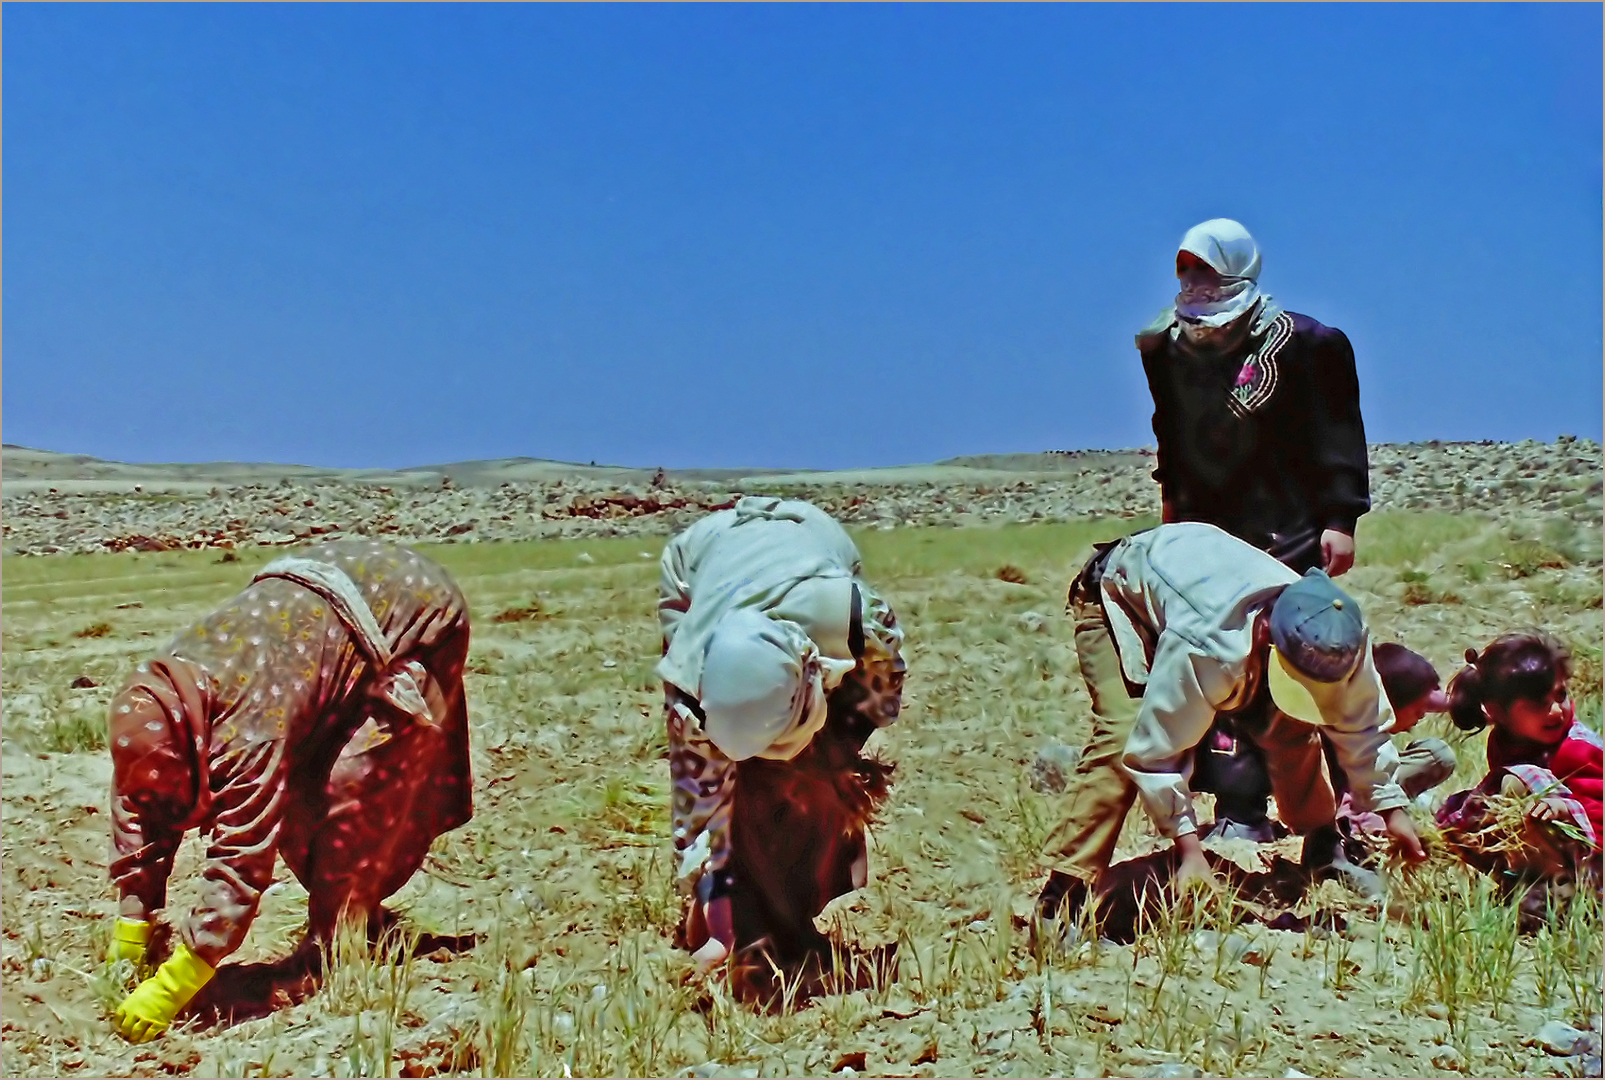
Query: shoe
[[1261, 832], [1058, 910], [1326, 859]]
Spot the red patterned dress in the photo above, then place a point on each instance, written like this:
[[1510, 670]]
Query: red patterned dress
[[318, 716]]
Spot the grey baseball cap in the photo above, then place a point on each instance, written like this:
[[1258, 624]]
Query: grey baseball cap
[[1317, 637]]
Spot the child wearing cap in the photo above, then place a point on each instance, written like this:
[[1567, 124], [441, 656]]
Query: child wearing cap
[[1204, 623], [779, 662]]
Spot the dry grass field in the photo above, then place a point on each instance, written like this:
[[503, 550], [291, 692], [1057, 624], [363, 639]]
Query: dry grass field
[[564, 873]]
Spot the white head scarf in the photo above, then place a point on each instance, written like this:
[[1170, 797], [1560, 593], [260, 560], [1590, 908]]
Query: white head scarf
[[763, 686], [1231, 252]]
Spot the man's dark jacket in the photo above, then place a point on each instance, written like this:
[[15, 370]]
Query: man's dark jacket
[[1266, 441]]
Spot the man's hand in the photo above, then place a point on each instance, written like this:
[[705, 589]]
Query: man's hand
[[1403, 831], [1193, 870], [1337, 552]]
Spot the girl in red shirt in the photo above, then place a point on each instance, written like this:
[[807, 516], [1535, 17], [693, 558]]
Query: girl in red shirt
[[1537, 752]]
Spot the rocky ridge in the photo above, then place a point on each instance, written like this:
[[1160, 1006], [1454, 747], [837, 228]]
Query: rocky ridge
[[1503, 480]]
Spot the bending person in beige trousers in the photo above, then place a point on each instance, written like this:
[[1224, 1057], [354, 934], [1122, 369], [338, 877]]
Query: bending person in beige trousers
[[1199, 623]]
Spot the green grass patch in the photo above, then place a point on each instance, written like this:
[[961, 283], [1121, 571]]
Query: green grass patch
[[1406, 538]]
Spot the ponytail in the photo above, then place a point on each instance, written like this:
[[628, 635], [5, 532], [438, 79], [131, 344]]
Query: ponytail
[[1515, 666], [1465, 696]]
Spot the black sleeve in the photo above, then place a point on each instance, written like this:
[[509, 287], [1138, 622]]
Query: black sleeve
[[1340, 483], [1151, 363]]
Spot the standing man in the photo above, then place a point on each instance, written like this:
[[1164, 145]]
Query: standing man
[[1257, 417]]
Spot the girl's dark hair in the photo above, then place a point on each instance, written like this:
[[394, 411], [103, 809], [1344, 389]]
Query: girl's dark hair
[[1407, 676], [1518, 666]]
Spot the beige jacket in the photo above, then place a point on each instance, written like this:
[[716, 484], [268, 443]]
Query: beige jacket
[[1180, 600]]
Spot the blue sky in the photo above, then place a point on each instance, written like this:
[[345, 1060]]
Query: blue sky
[[811, 236]]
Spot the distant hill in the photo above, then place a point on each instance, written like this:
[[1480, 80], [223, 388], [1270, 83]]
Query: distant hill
[[23, 463], [26, 466]]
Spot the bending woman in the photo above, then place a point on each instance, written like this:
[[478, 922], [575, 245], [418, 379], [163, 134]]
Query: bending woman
[[779, 662], [319, 716]]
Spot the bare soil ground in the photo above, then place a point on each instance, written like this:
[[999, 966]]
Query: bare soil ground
[[563, 876]]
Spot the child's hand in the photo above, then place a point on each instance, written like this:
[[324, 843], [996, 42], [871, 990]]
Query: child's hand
[[1403, 831], [1551, 808]]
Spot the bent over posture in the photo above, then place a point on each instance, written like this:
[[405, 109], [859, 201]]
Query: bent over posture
[[1203, 623], [779, 662], [1257, 430], [319, 716]]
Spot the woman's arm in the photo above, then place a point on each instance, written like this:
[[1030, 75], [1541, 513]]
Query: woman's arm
[[1171, 498], [248, 812], [142, 859], [674, 587]]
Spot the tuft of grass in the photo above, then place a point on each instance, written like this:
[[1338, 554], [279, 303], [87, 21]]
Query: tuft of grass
[[1567, 954], [1466, 954], [1406, 538], [1565, 538], [361, 978], [534, 611], [1525, 557], [73, 733], [1012, 574], [1418, 589], [1586, 686], [94, 630]]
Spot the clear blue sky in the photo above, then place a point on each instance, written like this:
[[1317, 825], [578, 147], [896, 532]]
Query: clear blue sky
[[806, 236]]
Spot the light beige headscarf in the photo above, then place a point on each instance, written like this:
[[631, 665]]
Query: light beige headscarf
[[763, 686]]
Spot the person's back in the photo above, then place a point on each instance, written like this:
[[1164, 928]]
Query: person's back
[[1196, 580], [776, 555], [779, 662]]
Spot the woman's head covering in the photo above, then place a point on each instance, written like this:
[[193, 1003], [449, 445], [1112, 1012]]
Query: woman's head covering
[[823, 607], [763, 686], [1228, 249]]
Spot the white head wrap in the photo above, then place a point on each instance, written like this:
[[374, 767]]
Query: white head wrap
[[1231, 252], [763, 686]]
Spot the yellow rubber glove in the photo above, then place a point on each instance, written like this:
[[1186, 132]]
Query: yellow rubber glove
[[129, 940], [145, 1013]]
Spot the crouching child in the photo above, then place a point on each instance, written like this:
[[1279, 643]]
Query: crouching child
[[1534, 820]]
